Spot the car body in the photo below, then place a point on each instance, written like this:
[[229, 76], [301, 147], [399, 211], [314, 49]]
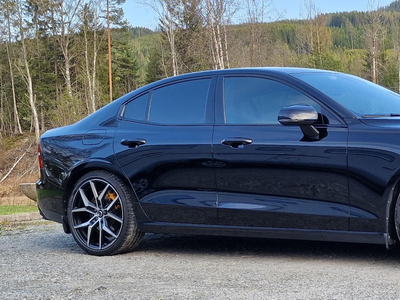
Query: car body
[[262, 152]]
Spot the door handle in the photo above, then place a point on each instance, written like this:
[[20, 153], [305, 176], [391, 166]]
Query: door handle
[[237, 142], [133, 143]]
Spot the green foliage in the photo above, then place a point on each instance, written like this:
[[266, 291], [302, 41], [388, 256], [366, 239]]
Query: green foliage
[[125, 66], [327, 60], [137, 32], [154, 69], [17, 209]]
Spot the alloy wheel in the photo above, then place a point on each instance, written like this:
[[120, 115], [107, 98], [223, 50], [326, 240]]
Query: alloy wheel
[[97, 214]]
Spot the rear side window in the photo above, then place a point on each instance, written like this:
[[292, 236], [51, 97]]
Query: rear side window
[[180, 103], [251, 100], [137, 109]]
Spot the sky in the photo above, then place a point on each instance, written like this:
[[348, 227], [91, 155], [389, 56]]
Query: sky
[[139, 15]]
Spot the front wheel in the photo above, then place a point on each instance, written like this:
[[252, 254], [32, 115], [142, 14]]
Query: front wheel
[[101, 216]]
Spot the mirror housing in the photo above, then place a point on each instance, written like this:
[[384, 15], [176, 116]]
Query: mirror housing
[[298, 115]]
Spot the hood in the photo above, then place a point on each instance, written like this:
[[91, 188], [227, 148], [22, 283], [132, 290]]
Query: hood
[[384, 122]]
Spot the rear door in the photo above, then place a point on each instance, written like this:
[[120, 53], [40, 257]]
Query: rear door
[[269, 175], [163, 143]]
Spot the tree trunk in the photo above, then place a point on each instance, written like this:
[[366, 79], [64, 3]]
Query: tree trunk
[[67, 63], [2, 126], [88, 69], [94, 72], [398, 66], [226, 48], [28, 77], [17, 124]]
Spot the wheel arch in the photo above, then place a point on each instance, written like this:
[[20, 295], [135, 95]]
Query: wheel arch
[[391, 194], [89, 166]]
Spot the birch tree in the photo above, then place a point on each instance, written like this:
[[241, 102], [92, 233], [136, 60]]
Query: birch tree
[[93, 38], [166, 11], [24, 33], [257, 11], [375, 33], [8, 8], [63, 17], [314, 37]]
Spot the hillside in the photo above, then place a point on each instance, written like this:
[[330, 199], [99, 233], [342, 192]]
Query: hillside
[[18, 164]]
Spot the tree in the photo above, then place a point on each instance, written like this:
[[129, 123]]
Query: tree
[[315, 37], [257, 12], [375, 33], [24, 32], [125, 64], [8, 8], [217, 15], [154, 67], [63, 18], [191, 40]]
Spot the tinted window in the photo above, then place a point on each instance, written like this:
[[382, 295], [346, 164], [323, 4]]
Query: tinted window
[[250, 100], [136, 109], [181, 103], [358, 95]]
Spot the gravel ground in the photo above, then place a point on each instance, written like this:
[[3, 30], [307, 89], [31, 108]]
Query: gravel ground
[[39, 261]]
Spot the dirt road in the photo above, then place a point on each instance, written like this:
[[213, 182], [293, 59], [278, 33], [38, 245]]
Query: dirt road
[[39, 261]]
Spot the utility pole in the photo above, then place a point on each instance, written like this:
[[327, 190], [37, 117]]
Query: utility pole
[[109, 51]]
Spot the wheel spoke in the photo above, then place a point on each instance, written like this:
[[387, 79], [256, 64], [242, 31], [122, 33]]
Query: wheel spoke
[[83, 209], [100, 234], [89, 233], [115, 217], [85, 224], [112, 203], [103, 192], [94, 191], [108, 230], [85, 200]]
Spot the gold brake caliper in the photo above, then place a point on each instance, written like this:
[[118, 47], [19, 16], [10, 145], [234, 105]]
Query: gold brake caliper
[[110, 196]]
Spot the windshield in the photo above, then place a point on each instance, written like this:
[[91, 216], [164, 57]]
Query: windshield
[[362, 97]]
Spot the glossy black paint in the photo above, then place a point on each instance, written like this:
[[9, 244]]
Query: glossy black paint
[[253, 180], [281, 182]]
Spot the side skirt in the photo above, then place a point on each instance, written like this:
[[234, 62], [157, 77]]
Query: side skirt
[[261, 232]]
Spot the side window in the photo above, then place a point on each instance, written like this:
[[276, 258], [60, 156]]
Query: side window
[[251, 100], [180, 103], [137, 109]]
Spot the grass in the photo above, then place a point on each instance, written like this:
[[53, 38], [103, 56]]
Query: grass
[[17, 209]]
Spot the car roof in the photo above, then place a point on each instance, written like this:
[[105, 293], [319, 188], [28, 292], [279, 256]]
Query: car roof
[[260, 70], [255, 70]]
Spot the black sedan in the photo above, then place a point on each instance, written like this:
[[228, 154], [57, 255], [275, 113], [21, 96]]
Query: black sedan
[[271, 152]]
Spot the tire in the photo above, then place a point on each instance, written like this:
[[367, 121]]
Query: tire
[[100, 215], [396, 217]]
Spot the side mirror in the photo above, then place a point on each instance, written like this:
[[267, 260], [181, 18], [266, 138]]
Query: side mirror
[[301, 115], [298, 115]]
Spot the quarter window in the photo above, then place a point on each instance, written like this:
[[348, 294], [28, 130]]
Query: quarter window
[[136, 109], [251, 100]]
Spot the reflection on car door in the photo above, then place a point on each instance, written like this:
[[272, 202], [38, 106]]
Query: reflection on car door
[[267, 174]]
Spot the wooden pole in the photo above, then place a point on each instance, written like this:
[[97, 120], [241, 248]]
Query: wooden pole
[[109, 51]]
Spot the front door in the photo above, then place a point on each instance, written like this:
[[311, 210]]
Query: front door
[[270, 175]]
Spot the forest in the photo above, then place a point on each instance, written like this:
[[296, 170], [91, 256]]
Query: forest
[[54, 54]]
